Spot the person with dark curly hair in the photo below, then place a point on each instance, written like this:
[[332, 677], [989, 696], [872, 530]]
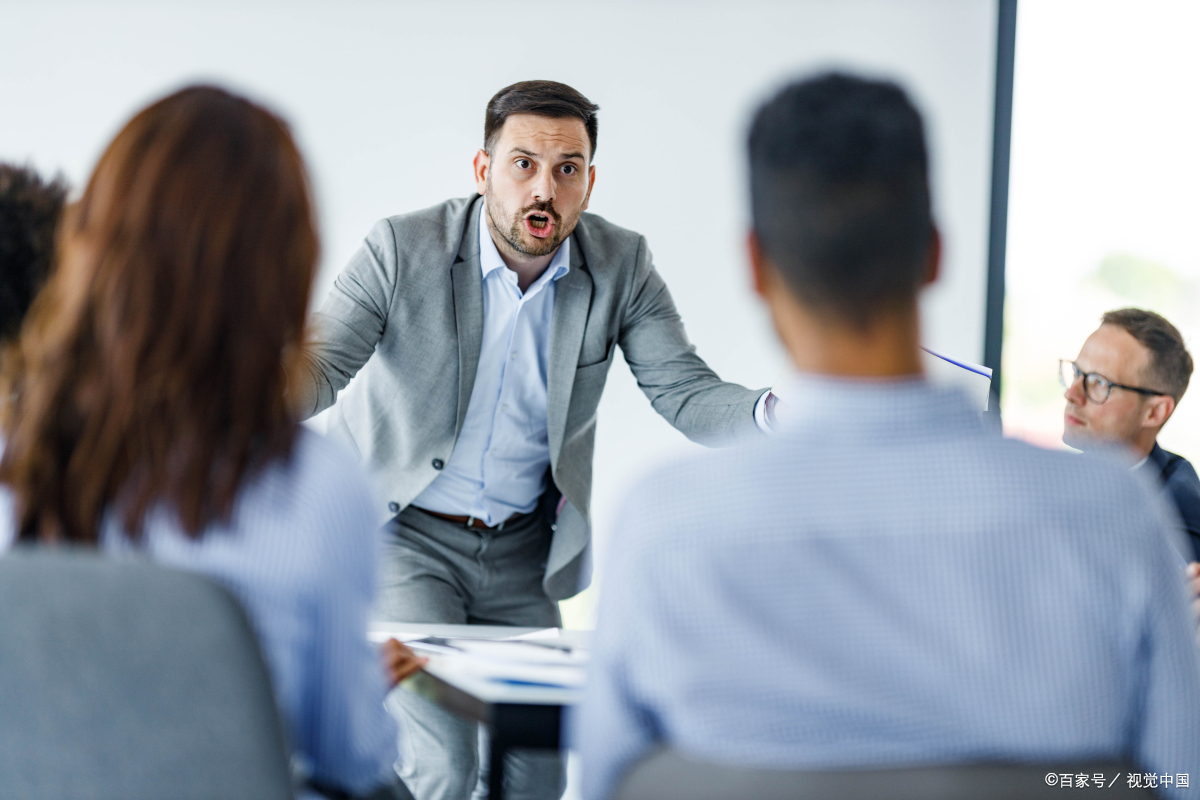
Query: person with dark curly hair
[[30, 209]]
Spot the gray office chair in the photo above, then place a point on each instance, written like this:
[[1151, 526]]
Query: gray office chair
[[127, 681], [666, 775]]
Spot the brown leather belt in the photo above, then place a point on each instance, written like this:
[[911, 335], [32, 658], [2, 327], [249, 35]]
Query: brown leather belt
[[468, 521]]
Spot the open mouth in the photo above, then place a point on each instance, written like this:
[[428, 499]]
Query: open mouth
[[539, 225]]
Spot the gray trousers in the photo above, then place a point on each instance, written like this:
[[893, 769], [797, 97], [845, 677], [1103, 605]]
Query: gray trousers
[[439, 571]]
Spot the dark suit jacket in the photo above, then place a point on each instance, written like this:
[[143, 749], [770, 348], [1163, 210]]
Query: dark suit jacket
[[1179, 478]]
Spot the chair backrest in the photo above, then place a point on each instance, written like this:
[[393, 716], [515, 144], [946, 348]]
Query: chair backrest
[[666, 775], [123, 679]]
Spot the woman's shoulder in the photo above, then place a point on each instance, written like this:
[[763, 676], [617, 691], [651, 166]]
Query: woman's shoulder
[[320, 502], [318, 457], [319, 473], [301, 516]]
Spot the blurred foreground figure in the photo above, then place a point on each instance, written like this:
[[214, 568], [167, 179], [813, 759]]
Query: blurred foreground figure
[[30, 210], [147, 412], [885, 582], [1121, 389]]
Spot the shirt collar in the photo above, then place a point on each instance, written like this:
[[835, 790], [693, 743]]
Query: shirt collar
[[873, 408], [490, 260], [1151, 460]]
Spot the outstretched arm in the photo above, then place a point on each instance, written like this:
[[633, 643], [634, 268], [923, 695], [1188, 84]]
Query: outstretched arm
[[348, 326], [680, 386]]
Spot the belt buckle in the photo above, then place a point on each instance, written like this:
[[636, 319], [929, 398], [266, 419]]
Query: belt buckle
[[472, 520]]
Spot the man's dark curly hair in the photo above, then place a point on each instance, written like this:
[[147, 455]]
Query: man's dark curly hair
[[29, 213]]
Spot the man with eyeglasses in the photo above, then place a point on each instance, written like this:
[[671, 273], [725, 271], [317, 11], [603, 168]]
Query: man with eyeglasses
[[1122, 388]]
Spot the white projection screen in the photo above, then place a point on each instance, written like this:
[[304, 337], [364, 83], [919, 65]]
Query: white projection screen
[[387, 102]]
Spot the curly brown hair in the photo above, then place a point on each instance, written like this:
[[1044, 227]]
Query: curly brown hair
[[151, 370], [30, 210]]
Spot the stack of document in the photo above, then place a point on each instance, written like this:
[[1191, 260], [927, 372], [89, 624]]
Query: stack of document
[[545, 662], [486, 660]]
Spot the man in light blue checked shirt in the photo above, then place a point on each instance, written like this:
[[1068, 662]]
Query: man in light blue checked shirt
[[883, 583]]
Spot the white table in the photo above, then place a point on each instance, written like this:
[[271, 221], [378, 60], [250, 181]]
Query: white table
[[516, 716]]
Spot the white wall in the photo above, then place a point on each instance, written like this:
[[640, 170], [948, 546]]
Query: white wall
[[387, 101]]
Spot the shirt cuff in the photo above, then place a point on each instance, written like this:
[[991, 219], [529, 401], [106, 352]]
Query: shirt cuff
[[760, 412]]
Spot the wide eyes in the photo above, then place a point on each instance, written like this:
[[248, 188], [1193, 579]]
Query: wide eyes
[[525, 163]]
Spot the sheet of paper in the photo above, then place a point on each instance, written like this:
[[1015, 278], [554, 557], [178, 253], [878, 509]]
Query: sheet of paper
[[513, 652], [472, 667], [974, 379], [544, 633], [574, 639], [379, 634]]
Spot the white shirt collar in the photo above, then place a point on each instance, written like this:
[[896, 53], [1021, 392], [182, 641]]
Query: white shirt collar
[[797, 390], [490, 260]]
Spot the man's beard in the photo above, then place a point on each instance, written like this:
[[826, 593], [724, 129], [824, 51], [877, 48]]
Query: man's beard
[[513, 236]]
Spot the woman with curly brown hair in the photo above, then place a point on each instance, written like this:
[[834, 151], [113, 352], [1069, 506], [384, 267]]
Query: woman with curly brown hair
[[147, 411]]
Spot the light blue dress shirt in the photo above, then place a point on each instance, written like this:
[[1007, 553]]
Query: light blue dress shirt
[[300, 553], [886, 583], [498, 467]]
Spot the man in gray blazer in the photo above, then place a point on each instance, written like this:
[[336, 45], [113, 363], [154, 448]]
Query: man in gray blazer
[[481, 332]]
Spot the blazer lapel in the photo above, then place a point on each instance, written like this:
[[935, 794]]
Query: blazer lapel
[[468, 311], [572, 301]]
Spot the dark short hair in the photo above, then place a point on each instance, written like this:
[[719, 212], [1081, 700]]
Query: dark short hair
[[839, 191], [30, 210], [1170, 363], [544, 98]]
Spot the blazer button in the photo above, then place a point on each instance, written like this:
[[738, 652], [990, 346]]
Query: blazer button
[[438, 463], [393, 506]]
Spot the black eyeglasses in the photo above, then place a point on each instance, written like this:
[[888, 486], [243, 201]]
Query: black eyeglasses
[[1095, 386]]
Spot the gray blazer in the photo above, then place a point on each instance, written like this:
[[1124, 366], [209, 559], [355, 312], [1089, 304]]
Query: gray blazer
[[412, 297]]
